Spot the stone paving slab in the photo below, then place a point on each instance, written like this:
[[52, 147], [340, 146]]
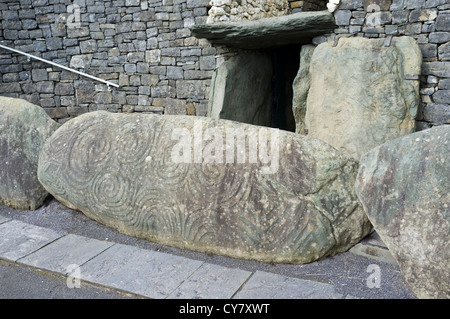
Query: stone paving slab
[[18, 239], [66, 251], [264, 285], [3, 219], [140, 271], [211, 282], [146, 272]]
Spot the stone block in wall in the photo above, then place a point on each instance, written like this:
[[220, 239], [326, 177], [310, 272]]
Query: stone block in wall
[[171, 106], [444, 52], [351, 4], [444, 84], [56, 112], [190, 89], [342, 17], [443, 22], [77, 32], [437, 68], [437, 113], [45, 86], [442, 96], [414, 4], [429, 50], [62, 88], [377, 5], [80, 61], [423, 15], [400, 16], [439, 37], [39, 75]]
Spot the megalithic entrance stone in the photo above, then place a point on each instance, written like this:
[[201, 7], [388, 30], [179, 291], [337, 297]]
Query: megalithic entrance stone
[[214, 186], [241, 89], [361, 93]]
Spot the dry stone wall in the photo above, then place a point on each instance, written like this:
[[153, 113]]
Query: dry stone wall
[[144, 46], [147, 48]]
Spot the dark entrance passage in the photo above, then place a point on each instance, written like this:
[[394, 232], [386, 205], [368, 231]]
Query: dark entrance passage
[[285, 63]]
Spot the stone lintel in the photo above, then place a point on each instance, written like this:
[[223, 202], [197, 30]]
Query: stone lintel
[[297, 28]]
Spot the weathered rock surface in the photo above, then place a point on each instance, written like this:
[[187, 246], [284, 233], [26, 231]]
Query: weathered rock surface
[[297, 28], [174, 180], [300, 88], [241, 90], [362, 93], [404, 187], [24, 127]]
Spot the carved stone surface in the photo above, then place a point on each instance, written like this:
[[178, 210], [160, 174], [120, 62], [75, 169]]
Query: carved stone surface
[[174, 180], [404, 187], [300, 88], [24, 127], [360, 92]]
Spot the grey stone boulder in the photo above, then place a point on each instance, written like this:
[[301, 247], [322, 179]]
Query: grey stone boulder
[[24, 127], [241, 89], [214, 186], [404, 187], [360, 93]]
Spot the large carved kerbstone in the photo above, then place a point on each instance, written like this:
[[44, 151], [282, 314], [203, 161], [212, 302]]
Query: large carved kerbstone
[[182, 181], [404, 187], [24, 127], [359, 93]]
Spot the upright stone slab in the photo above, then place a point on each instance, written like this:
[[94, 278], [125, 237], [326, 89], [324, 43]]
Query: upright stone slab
[[24, 127], [362, 93], [241, 90], [300, 88], [214, 186], [404, 187]]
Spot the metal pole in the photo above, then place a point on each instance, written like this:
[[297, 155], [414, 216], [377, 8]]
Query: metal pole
[[60, 66]]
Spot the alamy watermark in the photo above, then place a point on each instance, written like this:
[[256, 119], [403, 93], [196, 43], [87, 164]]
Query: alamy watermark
[[74, 16], [74, 278], [249, 145], [374, 279], [374, 18]]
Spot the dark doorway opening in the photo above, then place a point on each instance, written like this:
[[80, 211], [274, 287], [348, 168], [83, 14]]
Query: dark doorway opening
[[285, 62]]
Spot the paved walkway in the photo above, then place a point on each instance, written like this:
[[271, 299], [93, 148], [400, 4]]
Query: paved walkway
[[149, 273], [143, 272]]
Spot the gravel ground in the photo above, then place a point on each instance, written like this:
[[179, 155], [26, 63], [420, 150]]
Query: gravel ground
[[348, 272]]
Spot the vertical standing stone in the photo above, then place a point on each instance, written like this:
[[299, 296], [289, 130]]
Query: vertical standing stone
[[362, 93], [24, 128], [241, 90]]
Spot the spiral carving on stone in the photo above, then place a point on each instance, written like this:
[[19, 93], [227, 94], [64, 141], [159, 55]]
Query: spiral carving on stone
[[119, 170]]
